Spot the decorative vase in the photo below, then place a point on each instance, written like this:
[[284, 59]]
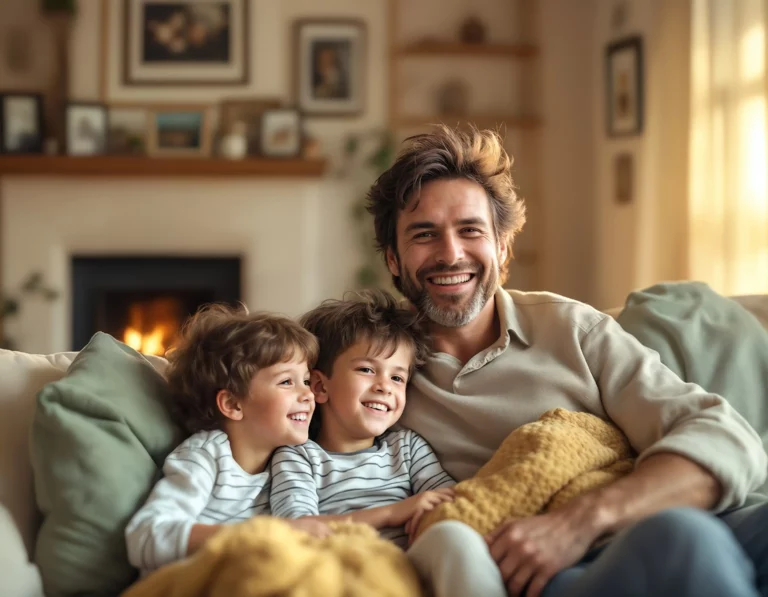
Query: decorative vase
[[234, 145]]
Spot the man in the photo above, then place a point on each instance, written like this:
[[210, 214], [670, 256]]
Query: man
[[445, 216]]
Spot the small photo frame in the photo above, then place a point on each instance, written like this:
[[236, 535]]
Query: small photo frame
[[179, 131], [21, 123], [249, 112], [185, 42], [87, 126], [127, 133], [281, 133], [330, 67], [624, 86]]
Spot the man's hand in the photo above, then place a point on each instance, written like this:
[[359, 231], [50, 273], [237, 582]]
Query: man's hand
[[311, 525], [530, 551]]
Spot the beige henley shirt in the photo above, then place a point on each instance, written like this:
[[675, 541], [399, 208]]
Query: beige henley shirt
[[555, 352]]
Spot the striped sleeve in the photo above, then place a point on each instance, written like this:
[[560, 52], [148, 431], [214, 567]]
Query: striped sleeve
[[159, 532], [426, 471], [293, 493]]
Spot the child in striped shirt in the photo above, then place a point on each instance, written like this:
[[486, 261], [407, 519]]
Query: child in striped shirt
[[358, 466], [239, 385]]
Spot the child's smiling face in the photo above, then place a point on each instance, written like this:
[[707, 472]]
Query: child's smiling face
[[364, 395]]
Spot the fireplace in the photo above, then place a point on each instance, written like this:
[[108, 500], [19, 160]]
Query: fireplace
[[143, 301]]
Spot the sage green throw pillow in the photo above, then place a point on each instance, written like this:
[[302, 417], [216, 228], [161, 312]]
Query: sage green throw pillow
[[99, 439]]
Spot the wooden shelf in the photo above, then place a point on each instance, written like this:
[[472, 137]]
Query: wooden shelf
[[449, 48], [113, 165], [479, 120]]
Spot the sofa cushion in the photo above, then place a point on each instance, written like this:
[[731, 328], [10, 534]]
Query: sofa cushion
[[706, 339], [99, 438]]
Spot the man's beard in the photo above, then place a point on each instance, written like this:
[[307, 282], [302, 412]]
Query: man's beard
[[450, 317]]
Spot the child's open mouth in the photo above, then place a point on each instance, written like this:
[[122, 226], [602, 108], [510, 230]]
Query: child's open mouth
[[299, 417], [377, 407]]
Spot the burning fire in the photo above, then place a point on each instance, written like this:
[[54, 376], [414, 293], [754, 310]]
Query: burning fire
[[153, 325]]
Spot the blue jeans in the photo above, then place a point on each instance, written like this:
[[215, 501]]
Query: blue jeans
[[681, 552]]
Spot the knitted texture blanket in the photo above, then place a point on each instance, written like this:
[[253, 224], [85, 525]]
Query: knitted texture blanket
[[265, 557], [539, 467]]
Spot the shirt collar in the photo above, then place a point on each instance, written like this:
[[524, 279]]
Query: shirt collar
[[508, 316]]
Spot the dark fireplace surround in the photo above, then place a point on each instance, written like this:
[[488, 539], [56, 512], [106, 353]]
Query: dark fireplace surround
[[108, 293]]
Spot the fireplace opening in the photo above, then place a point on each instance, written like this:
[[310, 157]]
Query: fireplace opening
[[144, 301]]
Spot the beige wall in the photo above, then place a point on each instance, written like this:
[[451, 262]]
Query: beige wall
[[568, 146], [641, 243]]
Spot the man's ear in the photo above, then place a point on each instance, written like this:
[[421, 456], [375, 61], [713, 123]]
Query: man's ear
[[317, 381], [503, 249], [229, 405], [392, 262]]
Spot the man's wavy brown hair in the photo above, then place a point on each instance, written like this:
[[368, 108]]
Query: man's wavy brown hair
[[222, 348], [446, 154]]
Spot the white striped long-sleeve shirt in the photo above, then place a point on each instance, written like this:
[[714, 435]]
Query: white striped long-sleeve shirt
[[202, 484], [307, 480]]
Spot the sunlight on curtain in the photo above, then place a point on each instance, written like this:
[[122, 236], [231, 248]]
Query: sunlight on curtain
[[728, 176]]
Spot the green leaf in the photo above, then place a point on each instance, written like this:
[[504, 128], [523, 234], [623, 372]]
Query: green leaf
[[9, 307], [350, 148], [367, 277], [32, 282]]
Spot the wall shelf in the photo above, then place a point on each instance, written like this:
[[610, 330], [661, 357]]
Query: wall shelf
[[449, 48], [113, 165]]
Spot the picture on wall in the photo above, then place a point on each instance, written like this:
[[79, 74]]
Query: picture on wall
[[195, 42], [86, 128], [624, 73], [330, 67], [179, 132], [21, 123]]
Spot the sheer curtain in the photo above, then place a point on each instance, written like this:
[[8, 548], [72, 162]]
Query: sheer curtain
[[728, 183]]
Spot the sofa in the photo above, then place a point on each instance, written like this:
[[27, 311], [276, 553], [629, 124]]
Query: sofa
[[22, 376]]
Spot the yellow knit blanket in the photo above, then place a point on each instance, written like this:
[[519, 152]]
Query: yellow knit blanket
[[265, 557], [538, 467]]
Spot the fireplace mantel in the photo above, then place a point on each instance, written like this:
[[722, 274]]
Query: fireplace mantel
[[138, 166]]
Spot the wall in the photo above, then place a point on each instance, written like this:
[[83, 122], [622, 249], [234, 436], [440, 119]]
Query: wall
[[569, 81], [643, 242]]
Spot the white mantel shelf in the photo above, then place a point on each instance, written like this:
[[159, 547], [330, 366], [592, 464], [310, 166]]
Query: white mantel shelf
[[133, 166]]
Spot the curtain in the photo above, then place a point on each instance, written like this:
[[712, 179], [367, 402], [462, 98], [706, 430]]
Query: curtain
[[728, 186]]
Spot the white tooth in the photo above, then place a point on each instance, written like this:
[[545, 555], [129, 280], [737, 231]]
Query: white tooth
[[375, 406], [299, 417], [451, 279]]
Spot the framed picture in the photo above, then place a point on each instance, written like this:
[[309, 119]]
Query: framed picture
[[86, 128], [249, 112], [281, 133], [179, 131], [623, 167], [21, 123], [624, 73], [127, 129], [190, 42], [330, 67]]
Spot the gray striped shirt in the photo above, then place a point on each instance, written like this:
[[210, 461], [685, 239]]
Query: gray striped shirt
[[307, 480], [202, 484]]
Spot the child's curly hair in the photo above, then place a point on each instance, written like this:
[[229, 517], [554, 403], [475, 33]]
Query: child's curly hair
[[368, 315], [222, 348]]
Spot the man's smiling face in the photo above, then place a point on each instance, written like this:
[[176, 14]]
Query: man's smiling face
[[447, 252]]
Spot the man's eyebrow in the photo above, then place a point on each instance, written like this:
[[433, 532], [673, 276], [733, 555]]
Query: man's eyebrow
[[471, 222], [419, 226]]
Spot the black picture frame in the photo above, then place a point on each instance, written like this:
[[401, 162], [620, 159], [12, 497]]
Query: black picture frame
[[625, 93], [33, 145], [99, 144]]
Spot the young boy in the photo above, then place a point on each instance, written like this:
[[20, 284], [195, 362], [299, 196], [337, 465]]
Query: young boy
[[359, 468], [239, 385]]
